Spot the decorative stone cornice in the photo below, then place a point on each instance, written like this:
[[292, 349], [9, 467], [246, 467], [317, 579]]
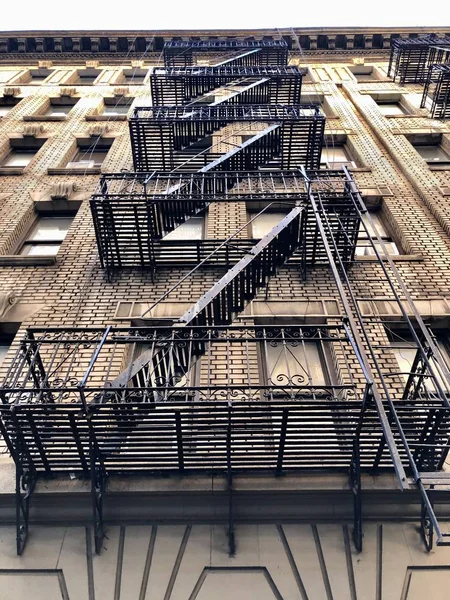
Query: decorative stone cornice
[[136, 44]]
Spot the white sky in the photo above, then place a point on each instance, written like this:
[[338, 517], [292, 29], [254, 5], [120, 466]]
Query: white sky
[[220, 14]]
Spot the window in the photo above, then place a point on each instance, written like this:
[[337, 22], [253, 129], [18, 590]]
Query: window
[[39, 75], [88, 76], [4, 347], [433, 154], [405, 349], [193, 229], [363, 72], [364, 246], [7, 334], [19, 158], [117, 106], [171, 369], [294, 358], [22, 152], [429, 147], [6, 104], [391, 108], [135, 76], [262, 224], [46, 236], [335, 157], [60, 106], [90, 155]]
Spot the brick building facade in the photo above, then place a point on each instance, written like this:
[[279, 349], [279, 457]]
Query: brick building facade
[[65, 103]]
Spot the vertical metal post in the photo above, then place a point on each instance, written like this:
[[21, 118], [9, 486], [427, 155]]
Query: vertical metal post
[[355, 484], [231, 536], [98, 488], [26, 478]]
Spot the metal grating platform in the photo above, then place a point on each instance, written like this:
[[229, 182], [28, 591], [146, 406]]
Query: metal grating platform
[[265, 85], [133, 212], [411, 58], [437, 91], [166, 138], [178, 53]]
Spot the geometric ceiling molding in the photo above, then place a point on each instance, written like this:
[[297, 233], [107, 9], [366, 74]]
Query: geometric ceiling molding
[[238, 581], [420, 580], [19, 583]]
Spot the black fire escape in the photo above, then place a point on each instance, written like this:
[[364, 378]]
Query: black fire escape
[[424, 60], [188, 396]]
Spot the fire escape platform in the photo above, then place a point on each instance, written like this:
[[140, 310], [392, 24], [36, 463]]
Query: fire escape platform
[[133, 212], [180, 53], [176, 86], [158, 133]]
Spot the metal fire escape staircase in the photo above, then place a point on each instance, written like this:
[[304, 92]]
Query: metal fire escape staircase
[[131, 423], [219, 306]]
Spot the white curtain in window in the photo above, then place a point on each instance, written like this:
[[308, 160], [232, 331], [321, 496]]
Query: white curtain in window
[[264, 223], [190, 230], [298, 362]]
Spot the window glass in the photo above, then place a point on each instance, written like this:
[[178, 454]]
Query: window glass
[[364, 247], [120, 109], [4, 110], [335, 157], [190, 230], [88, 76], [135, 76], [88, 157], [56, 110], [391, 108], [18, 158], [264, 223], [40, 74], [4, 347], [405, 350], [45, 237], [432, 153], [375, 223], [294, 362]]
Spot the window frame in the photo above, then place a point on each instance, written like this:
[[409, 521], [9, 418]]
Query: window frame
[[336, 165], [387, 239], [441, 337], [327, 367], [83, 148], [430, 140], [27, 241]]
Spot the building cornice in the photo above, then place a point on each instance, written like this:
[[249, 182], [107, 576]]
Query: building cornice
[[102, 44]]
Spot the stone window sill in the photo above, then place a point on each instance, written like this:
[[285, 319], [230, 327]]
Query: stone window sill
[[55, 118], [106, 117], [433, 167], [360, 169], [16, 260], [64, 171], [12, 170], [406, 116], [395, 258]]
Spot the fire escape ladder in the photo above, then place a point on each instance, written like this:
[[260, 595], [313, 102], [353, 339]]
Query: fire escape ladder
[[166, 362], [415, 429]]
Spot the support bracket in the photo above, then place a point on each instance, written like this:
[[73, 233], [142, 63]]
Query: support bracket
[[231, 536], [355, 485], [426, 526], [26, 478], [98, 489]]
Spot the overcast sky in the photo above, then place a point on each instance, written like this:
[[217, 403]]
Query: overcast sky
[[216, 14]]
